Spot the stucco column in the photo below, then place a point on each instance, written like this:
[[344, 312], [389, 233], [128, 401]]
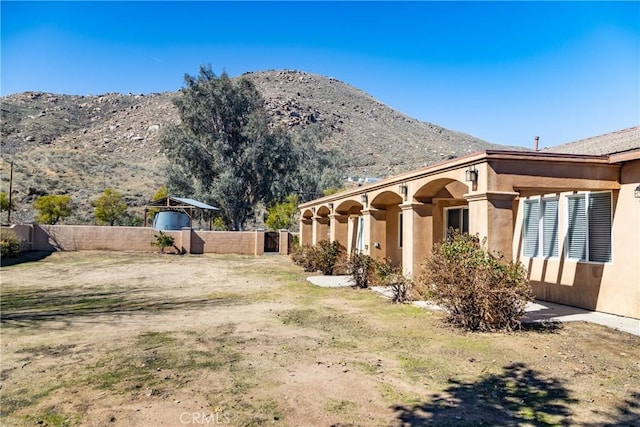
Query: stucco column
[[366, 231], [491, 215], [320, 229], [374, 233], [283, 242], [417, 239], [259, 243], [339, 230], [185, 244], [306, 231]]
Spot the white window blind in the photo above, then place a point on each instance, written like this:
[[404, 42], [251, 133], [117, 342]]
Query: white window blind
[[577, 234], [531, 227], [550, 228], [540, 227], [589, 234], [600, 227]]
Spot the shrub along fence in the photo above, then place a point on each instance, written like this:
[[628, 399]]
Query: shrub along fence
[[138, 239]]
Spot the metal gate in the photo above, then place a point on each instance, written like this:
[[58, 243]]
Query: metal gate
[[272, 242]]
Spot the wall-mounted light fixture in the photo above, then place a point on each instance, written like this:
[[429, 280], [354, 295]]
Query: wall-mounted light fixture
[[313, 211], [365, 200], [636, 192], [471, 174], [404, 190], [331, 207]]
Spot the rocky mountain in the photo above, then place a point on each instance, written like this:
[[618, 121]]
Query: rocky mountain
[[79, 145]]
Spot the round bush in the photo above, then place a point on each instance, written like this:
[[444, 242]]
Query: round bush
[[9, 243]]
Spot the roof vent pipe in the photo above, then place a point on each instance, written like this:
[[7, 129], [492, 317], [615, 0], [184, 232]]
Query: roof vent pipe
[[536, 138]]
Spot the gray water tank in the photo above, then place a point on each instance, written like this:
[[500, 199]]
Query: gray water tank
[[170, 220]]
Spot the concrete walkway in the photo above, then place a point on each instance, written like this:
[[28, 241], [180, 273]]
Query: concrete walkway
[[537, 312], [331, 281], [543, 311]]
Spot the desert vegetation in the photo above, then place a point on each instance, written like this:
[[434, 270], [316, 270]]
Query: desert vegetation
[[9, 243], [227, 152], [479, 290], [132, 339], [52, 208], [77, 145]]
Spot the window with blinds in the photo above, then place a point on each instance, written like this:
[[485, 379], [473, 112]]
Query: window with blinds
[[599, 227], [531, 227], [540, 228], [589, 234], [577, 233], [550, 228]]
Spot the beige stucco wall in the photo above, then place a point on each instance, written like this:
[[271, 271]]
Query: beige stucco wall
[[339, 229], [495, 212], [392, 231], [612, 287], [306, 231], [239, 242], [137, 239], [87, 238]]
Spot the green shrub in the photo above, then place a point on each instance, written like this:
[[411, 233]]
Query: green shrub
[[304, 256], [52, 208], [9, 243], [131, 220], [361, 267], [326, 257], [4, 202], [479, 290], [281, 215], [329, 254], [219, 224], [163, 241], [366, 271], [386, 274], [109, 208]]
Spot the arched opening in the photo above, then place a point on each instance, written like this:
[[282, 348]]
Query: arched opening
[[348, 225], [386, 227], [306, 227]]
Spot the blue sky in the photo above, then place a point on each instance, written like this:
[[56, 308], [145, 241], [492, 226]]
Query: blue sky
[[502, 71]]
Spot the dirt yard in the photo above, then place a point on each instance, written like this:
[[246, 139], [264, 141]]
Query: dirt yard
[[106, 339]]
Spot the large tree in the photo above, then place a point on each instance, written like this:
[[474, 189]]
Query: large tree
[[224, 151], [110, 207], [52, 208], [319, 169]]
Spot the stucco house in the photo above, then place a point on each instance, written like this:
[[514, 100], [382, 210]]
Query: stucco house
[[570, 214]]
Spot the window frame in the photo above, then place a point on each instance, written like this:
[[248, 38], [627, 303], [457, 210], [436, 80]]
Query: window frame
[[540, 229], [586, 195], [445, 219]]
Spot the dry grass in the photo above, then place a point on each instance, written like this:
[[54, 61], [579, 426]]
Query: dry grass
[[133, 339]]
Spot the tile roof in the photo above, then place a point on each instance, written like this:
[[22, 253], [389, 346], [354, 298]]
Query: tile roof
[[609, 143]]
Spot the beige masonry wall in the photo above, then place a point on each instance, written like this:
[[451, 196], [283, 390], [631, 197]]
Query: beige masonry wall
[[138, 239], [612, 287], [494, 196], [88, 238], [227, 242]]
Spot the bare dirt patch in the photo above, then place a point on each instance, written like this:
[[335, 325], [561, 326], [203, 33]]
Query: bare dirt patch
[[159, 340]]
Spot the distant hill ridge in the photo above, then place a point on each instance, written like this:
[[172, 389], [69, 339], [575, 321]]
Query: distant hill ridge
[[78, 145]]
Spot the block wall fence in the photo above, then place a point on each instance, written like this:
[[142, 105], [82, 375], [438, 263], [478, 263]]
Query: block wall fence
[[138, 239]]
